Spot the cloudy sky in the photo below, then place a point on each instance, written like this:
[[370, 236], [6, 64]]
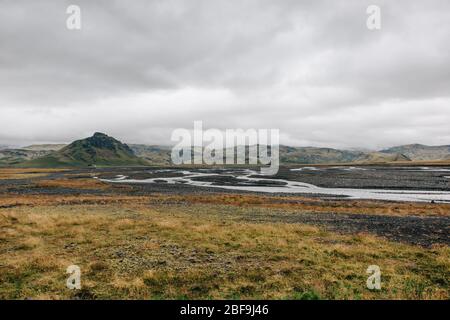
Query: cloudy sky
[[139, 69]]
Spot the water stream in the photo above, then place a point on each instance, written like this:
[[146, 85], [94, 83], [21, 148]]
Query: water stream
[[248, 183]]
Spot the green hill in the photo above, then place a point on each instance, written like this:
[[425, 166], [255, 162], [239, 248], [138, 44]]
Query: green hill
[[380, 157], [98, 150], [308, 155], [417, 152], [159, 155]]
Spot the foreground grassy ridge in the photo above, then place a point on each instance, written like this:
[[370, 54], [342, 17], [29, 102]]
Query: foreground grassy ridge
[[290, 204], [137, 250]]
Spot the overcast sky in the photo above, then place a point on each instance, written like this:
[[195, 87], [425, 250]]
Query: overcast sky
[[139, 69]]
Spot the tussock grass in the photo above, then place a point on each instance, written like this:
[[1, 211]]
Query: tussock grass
[[131, 249]]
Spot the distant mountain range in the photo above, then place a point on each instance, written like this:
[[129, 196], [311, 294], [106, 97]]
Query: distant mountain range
[[4, 146], [419, 152], [104, 150], [153, 154], [375, 157], [44, 147], [310, 155]]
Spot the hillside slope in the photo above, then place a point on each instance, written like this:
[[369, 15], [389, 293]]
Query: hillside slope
[[154, 154], [44, 147], [417, 152], [99, 149], [10, 157], [308, 155], [380, 157]]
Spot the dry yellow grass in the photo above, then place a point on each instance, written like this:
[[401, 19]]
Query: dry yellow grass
[[8, 176], [30, 170], [201, 246], [8, 200], [135, 251], [295, 204], [16, 173], [82, 183]]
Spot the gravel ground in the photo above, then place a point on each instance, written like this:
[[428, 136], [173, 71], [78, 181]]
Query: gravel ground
[[423, 231], [372, 177]]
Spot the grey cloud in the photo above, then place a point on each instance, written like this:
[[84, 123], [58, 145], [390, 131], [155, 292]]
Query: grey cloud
[[297, 65]]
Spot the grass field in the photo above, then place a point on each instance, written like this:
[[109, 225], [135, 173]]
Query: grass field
[[131, 250], [163, 246]]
